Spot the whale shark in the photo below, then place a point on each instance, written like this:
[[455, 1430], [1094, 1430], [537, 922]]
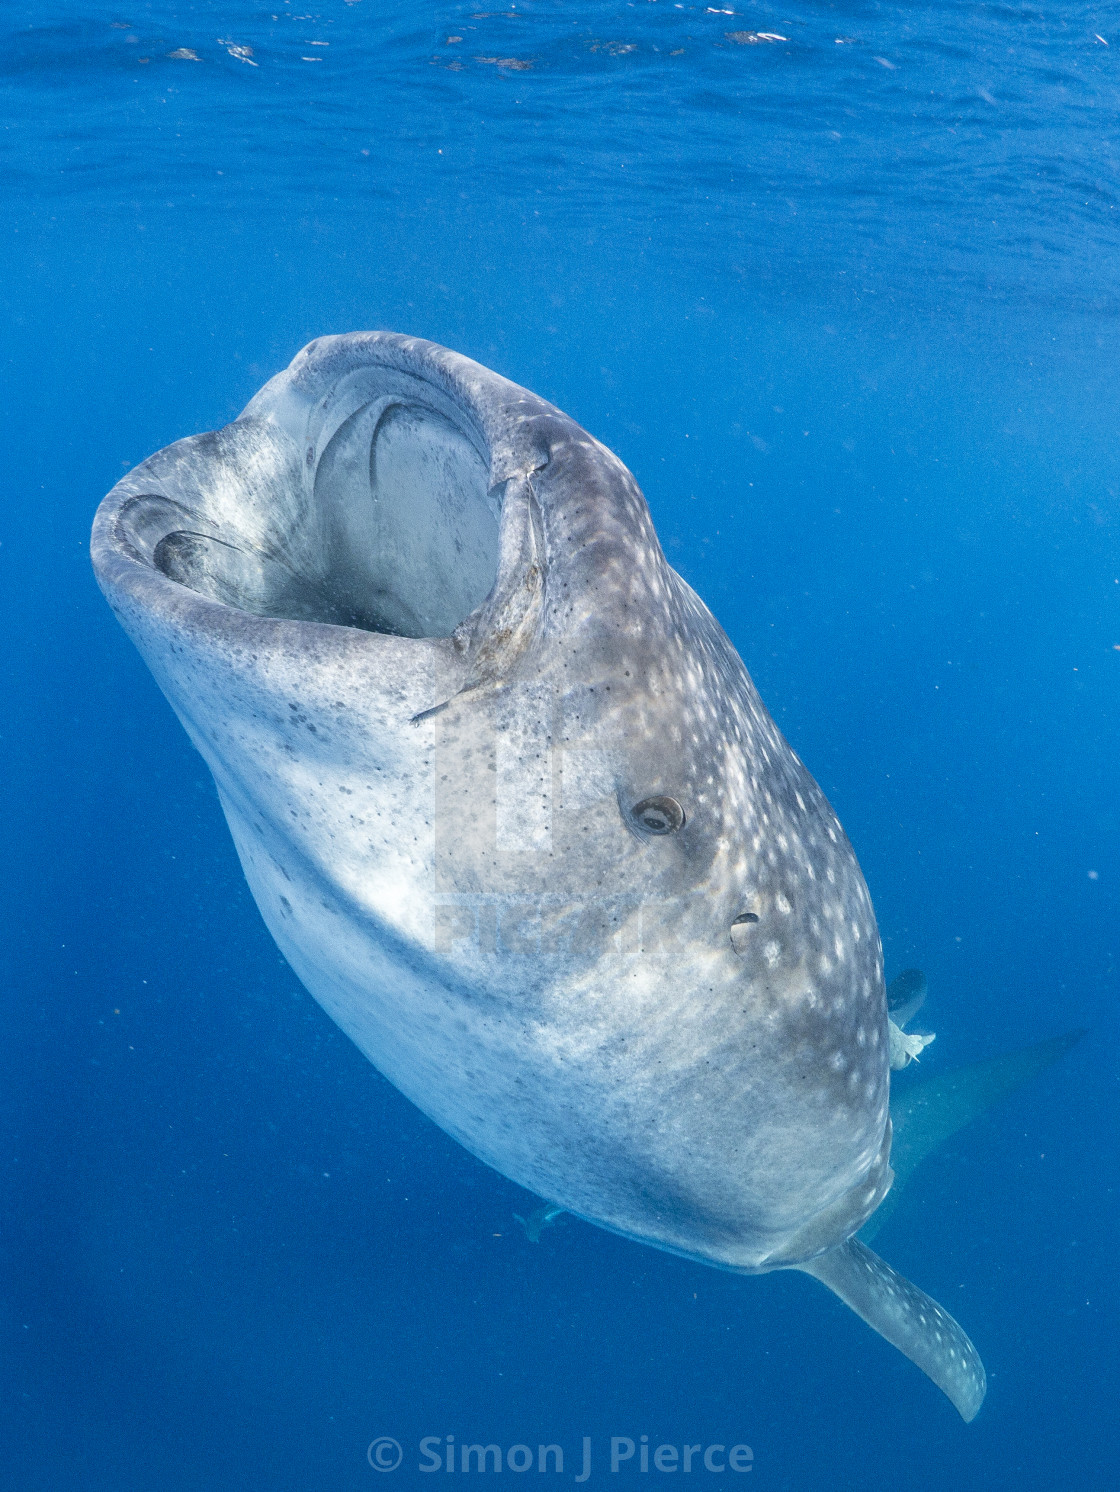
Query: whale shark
[[513, 810]]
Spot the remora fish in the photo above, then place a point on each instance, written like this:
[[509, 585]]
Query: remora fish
[[513, 810]]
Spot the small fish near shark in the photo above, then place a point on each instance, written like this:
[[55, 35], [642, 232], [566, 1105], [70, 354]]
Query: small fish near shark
[[513, 810]]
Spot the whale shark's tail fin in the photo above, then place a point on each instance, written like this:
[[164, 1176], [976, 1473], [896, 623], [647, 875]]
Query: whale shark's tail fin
[[927, 1111], [908, 1318]]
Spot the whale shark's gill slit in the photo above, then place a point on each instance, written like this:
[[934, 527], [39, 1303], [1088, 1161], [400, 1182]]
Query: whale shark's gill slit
[[398, 534]]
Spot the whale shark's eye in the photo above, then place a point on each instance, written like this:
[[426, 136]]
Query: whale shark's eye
[[740, 930], [658, 815]]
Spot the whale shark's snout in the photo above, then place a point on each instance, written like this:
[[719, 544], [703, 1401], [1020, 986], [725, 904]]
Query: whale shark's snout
[[512, 808]]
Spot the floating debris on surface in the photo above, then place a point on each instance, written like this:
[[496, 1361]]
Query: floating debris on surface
[[752, 38], [514, 64], [184, 54], [235, 49]]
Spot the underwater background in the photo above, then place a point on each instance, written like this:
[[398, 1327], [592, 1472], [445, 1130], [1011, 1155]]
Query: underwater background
[[840, 284]]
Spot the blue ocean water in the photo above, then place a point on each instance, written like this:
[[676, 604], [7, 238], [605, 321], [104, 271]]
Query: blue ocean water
[[846, 302]]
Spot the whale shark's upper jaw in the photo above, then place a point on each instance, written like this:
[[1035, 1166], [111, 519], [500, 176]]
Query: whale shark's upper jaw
[[379, 515], [354, 492]]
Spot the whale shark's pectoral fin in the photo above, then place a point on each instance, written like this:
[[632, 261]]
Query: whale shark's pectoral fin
[[908, 1318], [539, 1219], [906, 995], [927, 1112]]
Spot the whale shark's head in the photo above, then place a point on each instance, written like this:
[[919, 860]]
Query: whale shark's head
[[509, 801]]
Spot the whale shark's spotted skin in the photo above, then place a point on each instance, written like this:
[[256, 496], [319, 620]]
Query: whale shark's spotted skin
[[514, 811]]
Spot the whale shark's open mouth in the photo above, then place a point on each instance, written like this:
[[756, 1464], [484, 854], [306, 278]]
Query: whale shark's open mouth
[[388, 527]]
